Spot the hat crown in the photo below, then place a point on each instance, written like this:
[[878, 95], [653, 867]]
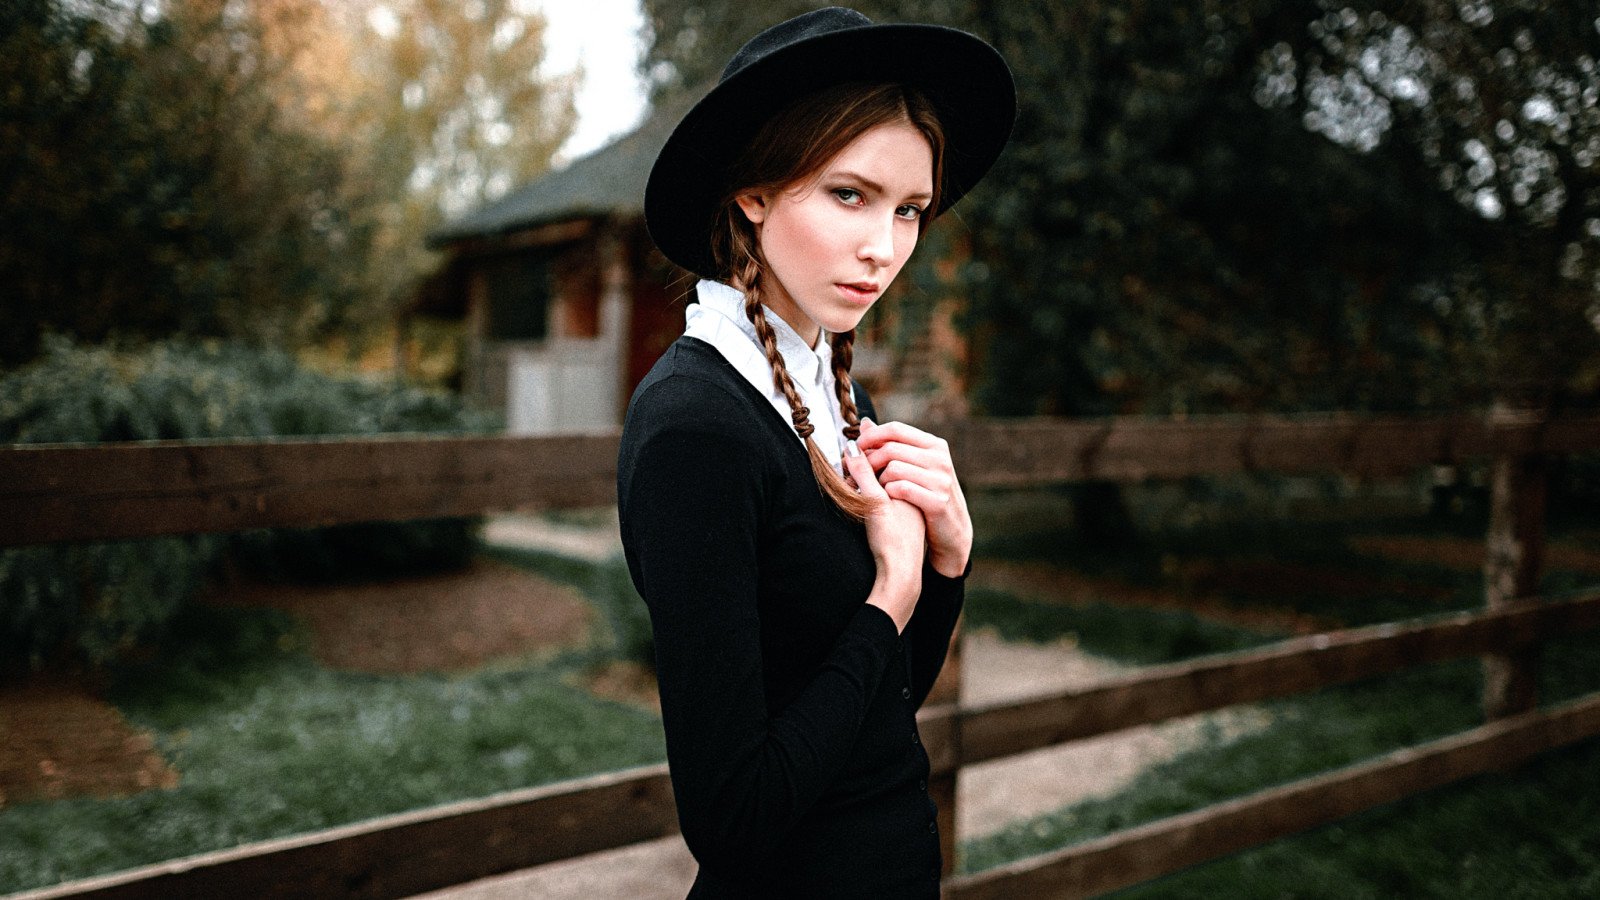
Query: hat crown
[[799, 28]]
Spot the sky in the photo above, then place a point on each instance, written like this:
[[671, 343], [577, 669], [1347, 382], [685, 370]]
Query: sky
[[607, 37]]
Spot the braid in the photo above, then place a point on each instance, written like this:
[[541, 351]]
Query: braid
[[829, 481], [843, 355], [780, 372], [738, 254]]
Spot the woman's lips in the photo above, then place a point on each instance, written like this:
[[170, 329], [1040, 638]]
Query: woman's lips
[[860, 291]]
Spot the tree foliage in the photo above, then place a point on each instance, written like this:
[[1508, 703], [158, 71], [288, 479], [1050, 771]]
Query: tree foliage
[[1184, 221], [1156, 241], [1499, 102], [263, 170], [150, 185], [464, 110]]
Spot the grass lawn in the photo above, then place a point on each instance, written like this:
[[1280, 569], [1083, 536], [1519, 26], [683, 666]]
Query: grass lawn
[[1533, 832], [271, 744]]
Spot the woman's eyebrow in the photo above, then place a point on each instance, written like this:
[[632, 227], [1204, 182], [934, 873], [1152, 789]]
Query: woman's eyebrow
[[873, 186]]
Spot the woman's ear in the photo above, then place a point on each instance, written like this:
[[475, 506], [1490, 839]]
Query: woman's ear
[[754, 206]]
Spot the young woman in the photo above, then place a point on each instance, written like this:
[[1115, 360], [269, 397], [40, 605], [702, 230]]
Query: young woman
[[803, 565]]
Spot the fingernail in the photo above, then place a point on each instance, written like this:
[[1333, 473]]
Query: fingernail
[[850, 449], [867, 422]]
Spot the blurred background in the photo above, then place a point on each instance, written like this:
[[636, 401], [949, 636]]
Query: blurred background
[[332, 217]]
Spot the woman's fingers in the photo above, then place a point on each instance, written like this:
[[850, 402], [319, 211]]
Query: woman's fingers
[[887, 455], [874, 435], [897, 440], [932, 503], [915, 467], [922, 457], [860, 469], [935, 480]]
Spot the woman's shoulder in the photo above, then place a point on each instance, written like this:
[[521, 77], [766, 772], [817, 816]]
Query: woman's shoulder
[[692, 387], [689, 420]]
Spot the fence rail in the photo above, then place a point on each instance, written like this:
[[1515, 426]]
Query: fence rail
[[410, 853], [59, 493], [109, 491], [1138, 854], [1282, 669]]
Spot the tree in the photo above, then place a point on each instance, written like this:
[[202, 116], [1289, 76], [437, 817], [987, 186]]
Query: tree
[[264, 170], [1157, 241], [693, 40], [1499, 104], [463, 98], [150, 186]]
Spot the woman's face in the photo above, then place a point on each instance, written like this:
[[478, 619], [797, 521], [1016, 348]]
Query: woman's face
[[834, 241]]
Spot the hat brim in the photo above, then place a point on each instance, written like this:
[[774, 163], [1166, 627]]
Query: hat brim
[[966, 81]]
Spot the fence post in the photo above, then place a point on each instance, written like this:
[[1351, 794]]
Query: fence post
[[1512, 567], [942, 788]]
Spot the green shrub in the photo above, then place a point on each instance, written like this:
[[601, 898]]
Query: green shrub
[[93, 602]]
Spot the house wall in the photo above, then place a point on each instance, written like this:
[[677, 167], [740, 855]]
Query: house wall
[[572, 378]]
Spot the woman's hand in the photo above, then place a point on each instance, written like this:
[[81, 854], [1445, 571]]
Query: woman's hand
[[914, 466], [898, 538]]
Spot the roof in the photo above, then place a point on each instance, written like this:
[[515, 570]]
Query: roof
[[608, 182]]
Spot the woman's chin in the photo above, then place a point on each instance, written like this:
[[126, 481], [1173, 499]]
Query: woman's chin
[[843, 320]]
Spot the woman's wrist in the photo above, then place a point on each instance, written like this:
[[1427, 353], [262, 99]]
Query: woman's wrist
[[950, 547], [896, 592], [951, 564]]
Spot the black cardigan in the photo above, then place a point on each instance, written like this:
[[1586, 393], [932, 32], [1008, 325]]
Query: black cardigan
[[789, 704]]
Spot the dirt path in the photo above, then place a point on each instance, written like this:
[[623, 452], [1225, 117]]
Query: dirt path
[[1039, 581], [59, 740], [994, 794], [436, 623]]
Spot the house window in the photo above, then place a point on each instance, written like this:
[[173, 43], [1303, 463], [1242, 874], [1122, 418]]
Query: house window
[[519, 289]]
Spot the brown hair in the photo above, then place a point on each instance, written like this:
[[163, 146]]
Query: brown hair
[[794, 144]]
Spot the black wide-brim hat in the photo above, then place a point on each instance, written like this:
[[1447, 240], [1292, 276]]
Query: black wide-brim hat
[[965, 79]]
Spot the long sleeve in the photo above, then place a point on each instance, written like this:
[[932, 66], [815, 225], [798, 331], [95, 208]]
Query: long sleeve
[[693, 490], [931, 626]]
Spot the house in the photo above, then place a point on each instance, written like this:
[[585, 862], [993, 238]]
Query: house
[[568, 304], [566, 301]]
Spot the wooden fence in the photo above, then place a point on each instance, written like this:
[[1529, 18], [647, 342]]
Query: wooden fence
[[140, 490]]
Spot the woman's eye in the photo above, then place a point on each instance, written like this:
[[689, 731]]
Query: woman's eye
[[848, 195], [909, 211]]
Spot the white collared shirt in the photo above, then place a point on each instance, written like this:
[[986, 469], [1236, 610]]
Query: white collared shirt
[[719, 320]]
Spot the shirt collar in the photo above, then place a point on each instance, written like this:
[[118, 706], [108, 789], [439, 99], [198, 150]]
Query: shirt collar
[[719, 320], [803, 362]]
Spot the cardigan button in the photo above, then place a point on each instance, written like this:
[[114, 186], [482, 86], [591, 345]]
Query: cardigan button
[[922, 785], [933, 826], [899, 644], [905, 693], [915, 739]]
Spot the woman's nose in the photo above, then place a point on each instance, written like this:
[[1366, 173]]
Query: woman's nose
[[877, 243]]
